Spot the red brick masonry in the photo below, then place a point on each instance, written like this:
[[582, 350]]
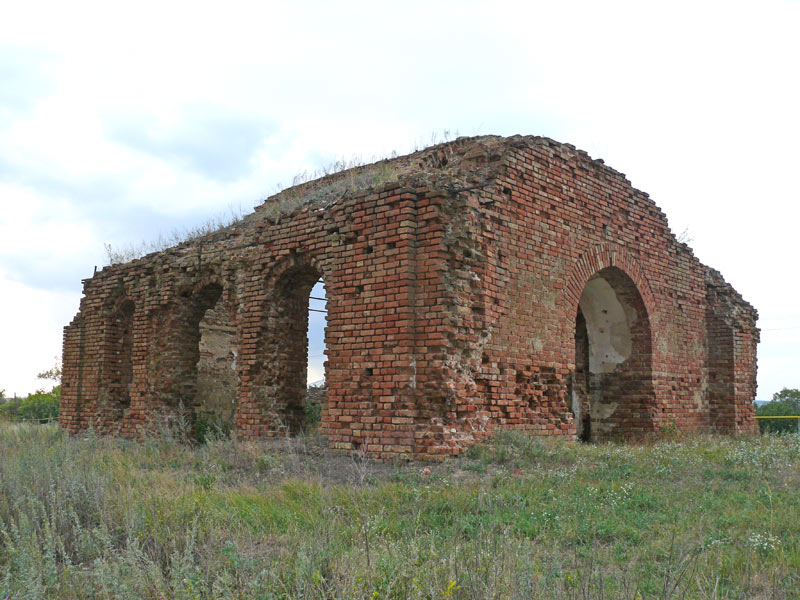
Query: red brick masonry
[[481, 284]]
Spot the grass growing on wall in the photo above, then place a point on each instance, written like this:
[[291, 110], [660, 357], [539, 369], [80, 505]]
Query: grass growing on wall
[[699, 517]]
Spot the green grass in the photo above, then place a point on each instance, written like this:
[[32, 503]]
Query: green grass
[[686, 517]]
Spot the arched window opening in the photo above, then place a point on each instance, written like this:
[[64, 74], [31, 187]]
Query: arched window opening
[[612, 383], [316, 392], [215, 368], [296, 347]]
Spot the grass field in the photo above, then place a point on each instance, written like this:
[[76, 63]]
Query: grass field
[[683, 517]]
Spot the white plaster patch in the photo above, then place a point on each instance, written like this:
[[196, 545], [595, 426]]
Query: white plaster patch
[[576, 408], [608, 325]]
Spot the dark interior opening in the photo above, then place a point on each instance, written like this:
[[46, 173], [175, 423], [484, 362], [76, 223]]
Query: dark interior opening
[[611, 387]]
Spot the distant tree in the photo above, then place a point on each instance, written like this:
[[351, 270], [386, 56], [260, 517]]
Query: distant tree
[[41, 405], [788, 395], [783, 403], [8, 408]]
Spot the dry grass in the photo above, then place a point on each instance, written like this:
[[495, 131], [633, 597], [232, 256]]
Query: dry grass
[[694, 517]]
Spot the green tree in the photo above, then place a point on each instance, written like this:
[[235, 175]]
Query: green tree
[[8, 408], [41, 405], [783, 403]]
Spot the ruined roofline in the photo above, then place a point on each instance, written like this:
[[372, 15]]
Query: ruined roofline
[[457, 159], [467, 160], [425, 160], [436, 156], [473, 160], [715, 281]]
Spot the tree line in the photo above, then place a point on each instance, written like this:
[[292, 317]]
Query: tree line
[[784, 404], [41, 405]]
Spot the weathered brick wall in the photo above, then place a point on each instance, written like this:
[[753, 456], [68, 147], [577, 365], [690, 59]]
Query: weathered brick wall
[[454, 278], [731, 350]]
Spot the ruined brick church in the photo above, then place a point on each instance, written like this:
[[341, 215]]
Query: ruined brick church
[[487, 283]]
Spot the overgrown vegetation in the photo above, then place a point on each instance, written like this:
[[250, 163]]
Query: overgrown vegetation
[[784, 403], [324, 195], [210, 426], [312, 404], [40, 406], [688, 517]]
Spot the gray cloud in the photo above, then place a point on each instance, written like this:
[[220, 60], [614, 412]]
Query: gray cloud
[[51, 264], [217, 145], [102, 207], [47, 271]]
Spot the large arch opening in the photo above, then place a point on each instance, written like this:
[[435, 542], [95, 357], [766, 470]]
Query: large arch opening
[[196, 361], [215, 397], [296, 347], [612, 391]]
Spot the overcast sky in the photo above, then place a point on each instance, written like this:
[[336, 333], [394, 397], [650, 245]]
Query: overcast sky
[[120, 121]]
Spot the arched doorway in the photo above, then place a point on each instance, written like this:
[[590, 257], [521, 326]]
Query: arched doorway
[[194, 361], [217, 354], [612, 390], [296, 323]]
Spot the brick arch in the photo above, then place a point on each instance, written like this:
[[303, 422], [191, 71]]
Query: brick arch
[[292, 261], [276, 369], [217, 381], [618, 398], [598, 258], [188, 376], [205, 278], [114, 302]]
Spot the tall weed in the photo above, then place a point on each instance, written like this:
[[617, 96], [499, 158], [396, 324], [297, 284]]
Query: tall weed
[[690, 517]]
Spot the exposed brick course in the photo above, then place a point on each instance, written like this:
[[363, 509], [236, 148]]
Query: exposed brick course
[[458, 303]]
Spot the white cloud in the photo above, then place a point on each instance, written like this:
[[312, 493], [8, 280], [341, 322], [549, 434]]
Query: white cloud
[[118, 122], [31, 322]]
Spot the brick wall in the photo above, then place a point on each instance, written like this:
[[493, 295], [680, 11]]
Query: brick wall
[[454, 277]]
